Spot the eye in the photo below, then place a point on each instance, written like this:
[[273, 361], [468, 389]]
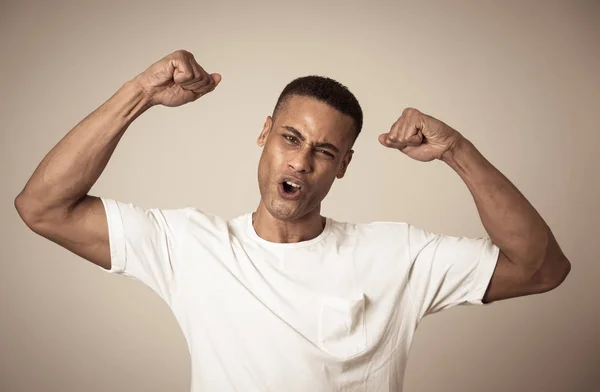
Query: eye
[[327, 153], [290, 138]]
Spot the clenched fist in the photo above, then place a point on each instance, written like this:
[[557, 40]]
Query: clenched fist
[[420, 136], [176, 80]]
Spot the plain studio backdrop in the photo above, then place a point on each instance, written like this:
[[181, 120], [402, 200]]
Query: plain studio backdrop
[[520, 79]]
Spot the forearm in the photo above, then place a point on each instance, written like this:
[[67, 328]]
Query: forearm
[[510, 220], [70, 169]]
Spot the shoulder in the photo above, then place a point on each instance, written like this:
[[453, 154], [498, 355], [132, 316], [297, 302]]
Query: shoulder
[[376, 231], [137, 217], [211, 226], [175, 221]]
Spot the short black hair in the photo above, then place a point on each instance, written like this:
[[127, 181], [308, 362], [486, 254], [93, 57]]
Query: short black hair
[[326, 90]]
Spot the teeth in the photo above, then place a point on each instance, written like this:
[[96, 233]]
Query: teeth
[[292, 184]]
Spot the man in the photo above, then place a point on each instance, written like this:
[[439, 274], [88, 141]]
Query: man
[[285, 299]]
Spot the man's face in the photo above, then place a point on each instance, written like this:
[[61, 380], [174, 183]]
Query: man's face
[[307, 145]]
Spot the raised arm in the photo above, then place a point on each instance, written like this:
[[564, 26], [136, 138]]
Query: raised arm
[[530, 260], [55, 202]]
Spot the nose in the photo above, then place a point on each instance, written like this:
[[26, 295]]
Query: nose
[[301, 161]]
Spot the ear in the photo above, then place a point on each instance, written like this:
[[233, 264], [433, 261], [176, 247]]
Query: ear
[[262, 138], [345, 162]]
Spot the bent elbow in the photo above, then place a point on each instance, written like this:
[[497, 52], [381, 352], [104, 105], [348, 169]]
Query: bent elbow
[[556, 272], [28, 212], [564, 270], [23, 209]]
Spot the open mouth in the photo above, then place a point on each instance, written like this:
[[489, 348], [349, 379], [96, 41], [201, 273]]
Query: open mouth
[[290, 188]]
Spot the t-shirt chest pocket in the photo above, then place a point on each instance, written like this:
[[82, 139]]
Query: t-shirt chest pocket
[[342, 326]]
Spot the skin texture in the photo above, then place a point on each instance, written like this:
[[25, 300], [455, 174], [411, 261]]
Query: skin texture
[[177, 79], [280, 220]]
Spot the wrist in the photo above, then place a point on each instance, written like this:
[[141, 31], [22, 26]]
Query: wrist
[[129, 102], [457, 147], [136, 86]]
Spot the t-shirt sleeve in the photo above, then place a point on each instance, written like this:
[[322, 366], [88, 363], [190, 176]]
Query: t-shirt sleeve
[[447, 271], [144, 243]]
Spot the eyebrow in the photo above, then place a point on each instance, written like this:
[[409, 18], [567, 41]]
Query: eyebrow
[[317, 145]]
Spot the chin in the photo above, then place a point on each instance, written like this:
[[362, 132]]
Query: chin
[[283, 212]]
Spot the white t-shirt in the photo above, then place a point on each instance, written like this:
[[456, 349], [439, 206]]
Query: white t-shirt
[[337, 312]]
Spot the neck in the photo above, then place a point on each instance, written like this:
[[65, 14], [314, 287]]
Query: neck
[[287, 231]]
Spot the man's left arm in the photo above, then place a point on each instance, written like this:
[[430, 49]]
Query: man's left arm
[[530, 260]]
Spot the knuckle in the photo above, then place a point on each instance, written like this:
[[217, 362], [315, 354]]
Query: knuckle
[[180, 53], [183, 54]]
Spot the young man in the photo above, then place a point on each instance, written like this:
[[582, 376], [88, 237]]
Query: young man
[[284, 298]]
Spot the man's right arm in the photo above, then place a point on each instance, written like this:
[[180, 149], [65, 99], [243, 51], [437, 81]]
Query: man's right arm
[[55, 202]]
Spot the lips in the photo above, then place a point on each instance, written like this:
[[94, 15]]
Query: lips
[[293, 180]]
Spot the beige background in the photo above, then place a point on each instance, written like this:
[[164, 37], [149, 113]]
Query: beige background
[[520, 79]]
